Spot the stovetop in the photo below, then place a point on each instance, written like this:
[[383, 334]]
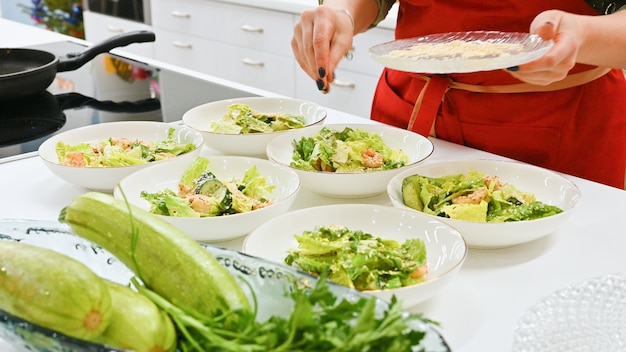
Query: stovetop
[[108, 88]]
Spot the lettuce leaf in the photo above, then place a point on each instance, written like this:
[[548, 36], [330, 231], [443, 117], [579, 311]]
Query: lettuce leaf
[[341, 151]]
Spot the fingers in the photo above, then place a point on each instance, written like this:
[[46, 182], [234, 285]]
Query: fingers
[[302, 45], [558, 61], [324, 28], [320, 41]]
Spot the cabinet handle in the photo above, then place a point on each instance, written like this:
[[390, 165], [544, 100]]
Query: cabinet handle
[[249, 28], [182, 45], [179, 14], [251, 62], [114, 29], [350, 54], [344, 84]]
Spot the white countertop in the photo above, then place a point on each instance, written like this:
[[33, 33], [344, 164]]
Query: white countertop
[[478, 310]]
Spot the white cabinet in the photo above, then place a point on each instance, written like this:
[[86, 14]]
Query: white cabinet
[[243, 44], [99, 27], [351, 92], [184, 50], [249, 45], [271, 72], [254, 28]]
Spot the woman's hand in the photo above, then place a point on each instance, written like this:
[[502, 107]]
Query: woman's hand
[[321, 38], [565, 30]]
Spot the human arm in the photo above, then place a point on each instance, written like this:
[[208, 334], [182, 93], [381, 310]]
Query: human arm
[[324, 34], [593, 40]]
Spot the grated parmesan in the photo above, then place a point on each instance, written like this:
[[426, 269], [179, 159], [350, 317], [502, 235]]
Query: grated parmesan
[[457, 49]]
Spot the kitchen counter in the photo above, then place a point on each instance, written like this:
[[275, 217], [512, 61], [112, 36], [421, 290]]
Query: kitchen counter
[[478, 310]]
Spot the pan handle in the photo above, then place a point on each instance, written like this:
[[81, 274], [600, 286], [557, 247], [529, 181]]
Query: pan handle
[[74, 61]]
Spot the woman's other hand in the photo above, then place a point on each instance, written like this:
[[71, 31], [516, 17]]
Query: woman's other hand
[[560, 59], [592, 40]]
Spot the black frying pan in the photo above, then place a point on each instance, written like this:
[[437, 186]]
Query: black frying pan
[[38, 115], [25, 72]]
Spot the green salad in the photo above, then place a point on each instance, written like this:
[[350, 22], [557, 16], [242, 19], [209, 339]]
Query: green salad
[[348, 150], [241, 119], [358, 259], [121, 151], [202, 194], [473, 197]]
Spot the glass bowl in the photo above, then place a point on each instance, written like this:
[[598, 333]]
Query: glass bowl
[[586, 316], [269, 281]]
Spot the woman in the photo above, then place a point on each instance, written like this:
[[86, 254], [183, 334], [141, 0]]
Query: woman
[[565, 111]]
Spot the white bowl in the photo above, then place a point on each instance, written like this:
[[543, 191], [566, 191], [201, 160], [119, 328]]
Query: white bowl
[[445, 248], [218, 228], [250, 144], [353, 184], [104, 179], [548, 187]]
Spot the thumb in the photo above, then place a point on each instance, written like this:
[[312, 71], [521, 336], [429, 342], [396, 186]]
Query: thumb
[[546, 24]]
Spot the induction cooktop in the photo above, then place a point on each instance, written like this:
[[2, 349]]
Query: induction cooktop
[[108, 88]]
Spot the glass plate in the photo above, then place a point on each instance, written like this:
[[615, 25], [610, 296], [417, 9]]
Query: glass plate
[[460, 52], [269, 281], [587, 316]]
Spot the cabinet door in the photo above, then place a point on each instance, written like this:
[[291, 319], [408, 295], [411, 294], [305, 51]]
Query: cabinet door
[[200, 18], [99, 27], [255, 68], [351, 92], [186, 51], [360, 59], [254, 28]]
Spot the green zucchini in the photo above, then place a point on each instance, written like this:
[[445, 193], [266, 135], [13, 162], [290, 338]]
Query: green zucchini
[[52, 290], [137, 324], [166, 259]]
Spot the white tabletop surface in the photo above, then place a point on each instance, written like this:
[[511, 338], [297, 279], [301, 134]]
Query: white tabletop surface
[[478, 310]]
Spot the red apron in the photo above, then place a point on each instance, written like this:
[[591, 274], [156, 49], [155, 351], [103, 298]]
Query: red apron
[[580, 130]]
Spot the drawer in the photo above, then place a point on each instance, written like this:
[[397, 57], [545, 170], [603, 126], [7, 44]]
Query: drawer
[[257, 69], [361, 60], [351, 92], [100, 27], [199, 18], [259, 29], [186, 51]]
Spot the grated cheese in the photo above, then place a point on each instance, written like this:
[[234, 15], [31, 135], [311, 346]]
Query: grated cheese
[[457, 49]]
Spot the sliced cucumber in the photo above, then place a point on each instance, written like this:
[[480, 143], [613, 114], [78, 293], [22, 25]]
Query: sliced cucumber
[[411, 192], [209, 185]]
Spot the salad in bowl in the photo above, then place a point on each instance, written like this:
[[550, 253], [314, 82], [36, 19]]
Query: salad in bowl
[[348, 160]]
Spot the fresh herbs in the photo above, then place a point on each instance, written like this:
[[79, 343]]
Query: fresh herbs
[[318, 322]]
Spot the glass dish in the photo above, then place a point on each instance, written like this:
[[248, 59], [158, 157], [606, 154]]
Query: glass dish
[[460, 52], [587, 316], [269, 281]]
